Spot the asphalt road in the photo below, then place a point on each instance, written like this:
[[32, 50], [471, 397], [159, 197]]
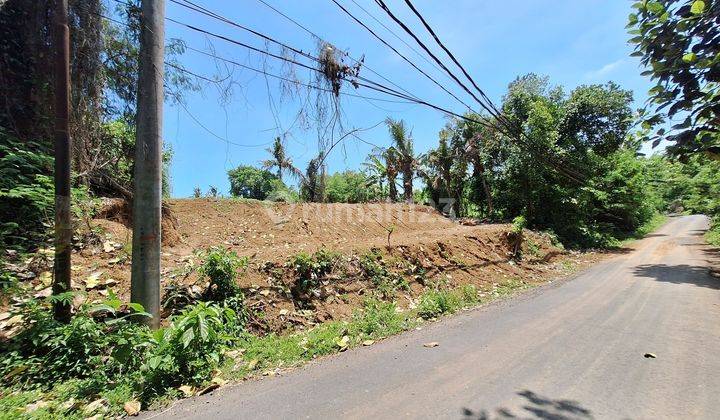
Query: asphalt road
[[570, 350]]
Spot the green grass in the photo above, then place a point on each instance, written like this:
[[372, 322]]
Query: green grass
[[713, 235], [250, 355], [376, 320], [646, 228]]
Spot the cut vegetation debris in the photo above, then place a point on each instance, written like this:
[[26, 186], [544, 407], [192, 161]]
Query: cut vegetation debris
[[251, 288]]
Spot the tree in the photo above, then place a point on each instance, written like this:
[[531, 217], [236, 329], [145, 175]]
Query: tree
[[280, 161], [677, 40], [250, 182], [392, 158], [312, 187], [403, 143], [350, 187]]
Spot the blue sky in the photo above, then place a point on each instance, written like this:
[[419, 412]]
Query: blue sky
[[573, 42]]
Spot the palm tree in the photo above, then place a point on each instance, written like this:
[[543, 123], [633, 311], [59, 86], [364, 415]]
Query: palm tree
[[312, 185], [475, 157], [403, 144], [376, 172], [391, 156], [280, 161]]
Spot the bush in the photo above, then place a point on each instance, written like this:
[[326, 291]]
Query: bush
[[259, 184], [378, 319], [310, 268], [434, 303], [386, 281], [349, 187], [220, 267], [49, 351], [26, 191], [190, 348]]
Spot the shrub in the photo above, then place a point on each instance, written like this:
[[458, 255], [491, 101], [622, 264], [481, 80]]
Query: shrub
[[378, 319], [434, 303], [386, 281], [310, 268], [190, 348], [220, 267], [49, 351], [249, 182]]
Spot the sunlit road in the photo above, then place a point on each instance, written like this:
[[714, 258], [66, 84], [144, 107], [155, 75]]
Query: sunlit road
[[571, 350]]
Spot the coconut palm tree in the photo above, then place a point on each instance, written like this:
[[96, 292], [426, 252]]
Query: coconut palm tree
[[281, 161], [392, 167], [403, 145]]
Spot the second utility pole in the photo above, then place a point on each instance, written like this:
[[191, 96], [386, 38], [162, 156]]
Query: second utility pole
[[147, 196]]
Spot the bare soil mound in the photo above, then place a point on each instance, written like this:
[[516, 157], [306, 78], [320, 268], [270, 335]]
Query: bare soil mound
[[415, 246]]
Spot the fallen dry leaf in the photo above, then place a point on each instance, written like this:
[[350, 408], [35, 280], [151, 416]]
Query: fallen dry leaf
[[132, 408], [368, 342], [108, 246], [93, 279], [94, 406], [252, 364], [218, 381], [431, 344], [343, 342], [45, 278], [187, 390]]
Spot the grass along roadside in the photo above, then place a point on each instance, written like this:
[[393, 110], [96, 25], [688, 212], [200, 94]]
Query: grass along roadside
[[713, 235], [375, 321], [653, 224], [102, 365], [245, 355]]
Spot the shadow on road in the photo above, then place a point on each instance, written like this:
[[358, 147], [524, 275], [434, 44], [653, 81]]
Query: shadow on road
[[537, 406], [679, 274]]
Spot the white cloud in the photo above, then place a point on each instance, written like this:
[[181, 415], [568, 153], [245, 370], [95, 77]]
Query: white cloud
[[604, 70]]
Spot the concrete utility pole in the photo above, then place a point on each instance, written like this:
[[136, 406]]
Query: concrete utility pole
[[63, 145], [147, 197]]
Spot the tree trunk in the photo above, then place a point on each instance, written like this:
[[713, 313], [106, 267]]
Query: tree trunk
[[408, 185], [392, 189]]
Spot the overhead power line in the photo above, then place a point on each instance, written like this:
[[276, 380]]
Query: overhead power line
[[387, 10], [512, 131], [305, 28], [450, 54], [393, 33], [361, 23]]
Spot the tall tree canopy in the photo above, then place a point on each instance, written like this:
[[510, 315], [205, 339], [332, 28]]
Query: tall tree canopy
[[679, 43]]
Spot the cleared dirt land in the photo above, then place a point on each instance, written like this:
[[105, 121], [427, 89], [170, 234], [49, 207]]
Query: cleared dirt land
[[415, 245]]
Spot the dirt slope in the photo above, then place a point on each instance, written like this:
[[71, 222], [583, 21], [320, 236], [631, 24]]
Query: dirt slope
[[569, 352], [415, 245]]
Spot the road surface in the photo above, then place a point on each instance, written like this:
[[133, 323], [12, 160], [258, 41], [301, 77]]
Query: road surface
[[571, 350]]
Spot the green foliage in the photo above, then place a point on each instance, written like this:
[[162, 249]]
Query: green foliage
[[676, 40], [378, 319], [518, 224], [436, 302], [26, 191], [351, 187], [190, 348], [220, 267], [386, 282], [49, 351], [101, 353], [309, 269], [589, 128], [713, 235], [250, 182]]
